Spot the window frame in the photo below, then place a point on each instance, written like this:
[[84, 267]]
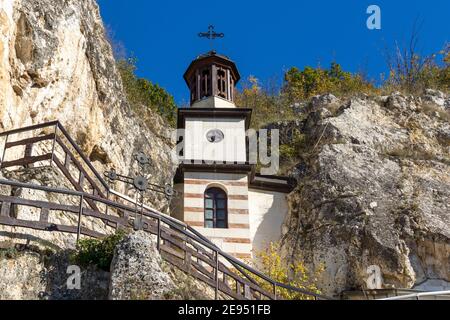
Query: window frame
[[217, 194]]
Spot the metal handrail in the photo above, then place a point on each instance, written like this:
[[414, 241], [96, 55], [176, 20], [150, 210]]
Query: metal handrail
[[29, 128], [68, 137], [127, 198], [208, 244], [180, 226], [418, 295], [83, 156]]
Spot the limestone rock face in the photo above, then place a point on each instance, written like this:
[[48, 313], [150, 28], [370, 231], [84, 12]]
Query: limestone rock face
[[26, 273], [136, 272], [56, 64], [20, 277], [375, 191]]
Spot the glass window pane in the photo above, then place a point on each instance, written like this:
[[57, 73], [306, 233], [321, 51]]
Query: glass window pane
[[221, 224], [209, 203], [209, 224], [221, 214], [221, 204], [209, 214], [221, 195]]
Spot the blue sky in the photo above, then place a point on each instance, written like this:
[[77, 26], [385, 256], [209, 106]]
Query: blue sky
[[265, 38]]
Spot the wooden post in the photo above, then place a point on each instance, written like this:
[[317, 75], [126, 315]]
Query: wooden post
[[28, 153], [6, 209], [159, 235], [44, 215], [81, 180], [216, 276], [4, 150], [274, 291], [67, 160], [54, 145], [247, 292], [80, 214], [107, 207], [187, 260]]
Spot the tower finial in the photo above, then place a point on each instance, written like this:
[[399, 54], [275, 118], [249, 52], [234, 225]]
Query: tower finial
[[211, 35]]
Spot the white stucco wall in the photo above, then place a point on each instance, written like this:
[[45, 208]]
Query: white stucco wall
[[267, 211], [232, 148], [213, 102]]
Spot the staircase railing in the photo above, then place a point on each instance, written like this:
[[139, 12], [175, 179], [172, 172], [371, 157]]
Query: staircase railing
[[180, 244]]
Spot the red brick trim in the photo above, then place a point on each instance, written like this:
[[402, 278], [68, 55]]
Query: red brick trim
[[195, 223], [206, 182], [191, 209], [237, 211], [238, 226], [237, 197], [200, 196], [241, 255], [194, 195]]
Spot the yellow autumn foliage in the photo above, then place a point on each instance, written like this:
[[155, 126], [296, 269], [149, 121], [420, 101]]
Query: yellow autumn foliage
[[295, 274]]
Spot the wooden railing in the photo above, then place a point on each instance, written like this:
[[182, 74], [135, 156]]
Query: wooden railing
[[179, 244]]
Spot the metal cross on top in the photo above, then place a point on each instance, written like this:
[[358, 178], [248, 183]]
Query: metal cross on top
[[211, 35], [142, 186]]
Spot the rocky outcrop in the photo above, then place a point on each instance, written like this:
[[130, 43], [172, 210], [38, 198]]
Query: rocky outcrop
[[136, 272], [56, 64], [373, 190], [28, 273], [139, 273]]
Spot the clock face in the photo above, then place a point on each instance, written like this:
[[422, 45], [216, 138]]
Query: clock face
[[214, 136]]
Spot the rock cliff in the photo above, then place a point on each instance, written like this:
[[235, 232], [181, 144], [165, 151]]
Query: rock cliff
[[137, 273], [374, 189], [56, 64]]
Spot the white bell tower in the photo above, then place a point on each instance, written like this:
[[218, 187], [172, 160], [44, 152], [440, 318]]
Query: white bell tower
[[214, 171]]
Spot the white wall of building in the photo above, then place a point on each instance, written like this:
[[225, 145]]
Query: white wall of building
[[213, 102], [268, 210], [232, 148]]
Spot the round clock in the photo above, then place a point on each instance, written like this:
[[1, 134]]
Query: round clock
[[214, 136]]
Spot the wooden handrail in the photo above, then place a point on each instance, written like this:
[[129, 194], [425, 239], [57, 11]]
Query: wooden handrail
[[167, 221], [247, 271], [29, 128]]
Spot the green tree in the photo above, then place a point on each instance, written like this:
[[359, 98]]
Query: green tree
[[302, 85], [143, 94]]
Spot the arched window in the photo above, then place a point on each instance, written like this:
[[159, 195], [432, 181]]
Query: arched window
[[216, 215]]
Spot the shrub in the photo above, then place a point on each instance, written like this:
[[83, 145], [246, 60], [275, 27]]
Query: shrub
[[287, 152], [412, 73], [9, 253], [98, 252], [266, 101], [143, 94], [294, 274], [302, 85]]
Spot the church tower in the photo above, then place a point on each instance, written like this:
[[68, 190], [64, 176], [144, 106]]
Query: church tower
[[214, 177], [214, 173]]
